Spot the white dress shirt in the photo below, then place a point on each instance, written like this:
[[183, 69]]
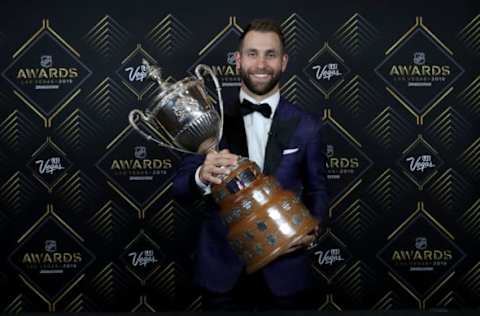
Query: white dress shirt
[[257, 128]]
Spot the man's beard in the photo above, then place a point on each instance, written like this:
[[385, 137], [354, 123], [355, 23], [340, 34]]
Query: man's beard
[[262, 88]]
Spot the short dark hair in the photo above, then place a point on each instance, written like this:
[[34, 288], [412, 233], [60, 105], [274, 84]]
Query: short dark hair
[[263, 25]]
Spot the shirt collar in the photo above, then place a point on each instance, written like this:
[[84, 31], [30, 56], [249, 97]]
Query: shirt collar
[[271, 100]]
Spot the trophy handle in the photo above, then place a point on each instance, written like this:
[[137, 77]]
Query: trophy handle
[[135, 115], [219, 94]]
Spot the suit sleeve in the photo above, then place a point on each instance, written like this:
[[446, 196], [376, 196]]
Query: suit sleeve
[[315, 194], [185, 189]]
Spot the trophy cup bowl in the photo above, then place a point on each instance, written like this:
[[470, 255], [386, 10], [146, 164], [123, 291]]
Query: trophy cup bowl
[[263, 220], [185, 114]]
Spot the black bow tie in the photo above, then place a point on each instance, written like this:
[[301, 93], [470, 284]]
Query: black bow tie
[[248, 107]]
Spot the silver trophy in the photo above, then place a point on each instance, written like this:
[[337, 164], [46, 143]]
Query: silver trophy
[[182, 111], [263, 220]]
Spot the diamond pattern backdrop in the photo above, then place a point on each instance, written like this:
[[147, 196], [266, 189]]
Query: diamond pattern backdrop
[[87, 219]]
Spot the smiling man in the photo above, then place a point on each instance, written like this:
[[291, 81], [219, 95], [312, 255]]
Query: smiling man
[[286, 142], [261, 60]]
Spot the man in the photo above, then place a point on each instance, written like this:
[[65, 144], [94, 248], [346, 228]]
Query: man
[[285, 142]]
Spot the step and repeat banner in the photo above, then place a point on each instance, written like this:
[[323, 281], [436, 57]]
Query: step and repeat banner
[[87, 219]]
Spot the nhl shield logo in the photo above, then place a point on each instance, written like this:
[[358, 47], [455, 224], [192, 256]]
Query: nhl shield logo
[[46, 61]]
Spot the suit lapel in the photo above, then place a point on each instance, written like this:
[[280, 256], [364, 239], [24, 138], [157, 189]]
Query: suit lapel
[[234, 135], [283, 126]]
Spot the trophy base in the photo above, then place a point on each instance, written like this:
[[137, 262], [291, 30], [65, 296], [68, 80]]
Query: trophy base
[[263, 220], [255, 265]]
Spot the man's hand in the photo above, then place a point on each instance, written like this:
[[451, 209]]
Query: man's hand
[[215, 164], [305, 241]]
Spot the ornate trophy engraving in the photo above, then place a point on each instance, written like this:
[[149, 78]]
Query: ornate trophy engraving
[[263, 220], [183, 111]]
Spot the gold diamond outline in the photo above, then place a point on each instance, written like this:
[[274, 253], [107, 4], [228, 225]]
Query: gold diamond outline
[[329, 280], [52, 304], [329, 300], [138, 49], [71, 284], [46, 185], [418, 140], [69, 96], [232, 23], [419, 118], [46, 28], [326, 47], [419, 24], [167, 185], [405, 287], [143, 281], [143, 302], [435, 290], [420, 210], [327, 117], [231, 26]]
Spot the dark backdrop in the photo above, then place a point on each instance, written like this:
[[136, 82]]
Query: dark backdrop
[[87, 221]]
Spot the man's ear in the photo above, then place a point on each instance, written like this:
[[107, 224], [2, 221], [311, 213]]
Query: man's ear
[[237, 60], [284, 62]]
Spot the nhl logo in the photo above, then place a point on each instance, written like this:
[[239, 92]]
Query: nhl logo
[[419, 58], [46, 61], [421, 243], [140, 152]]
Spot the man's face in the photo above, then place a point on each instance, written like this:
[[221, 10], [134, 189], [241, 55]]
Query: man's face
[[260, 63]]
